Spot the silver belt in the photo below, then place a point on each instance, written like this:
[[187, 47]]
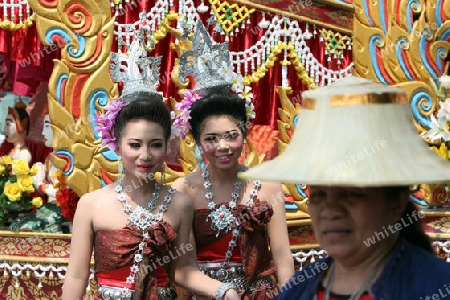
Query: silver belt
[[263, 283], [233, 272], [115, 293]]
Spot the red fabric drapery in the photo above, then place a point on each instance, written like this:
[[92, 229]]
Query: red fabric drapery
[[265, 96], [24, 46]]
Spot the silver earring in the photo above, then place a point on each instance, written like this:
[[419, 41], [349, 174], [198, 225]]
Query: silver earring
[[120, 169], [199, 157], [163, 174], [244, 149]]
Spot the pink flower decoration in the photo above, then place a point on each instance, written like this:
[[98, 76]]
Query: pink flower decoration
[[105, 123], [181, 122]]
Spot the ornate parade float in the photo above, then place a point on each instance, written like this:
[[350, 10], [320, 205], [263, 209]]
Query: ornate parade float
[[59, 54]]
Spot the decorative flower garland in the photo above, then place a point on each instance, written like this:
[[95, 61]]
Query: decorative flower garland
[[181, 126], [8, 25], [253, 62], [105, 123], [17, 15]]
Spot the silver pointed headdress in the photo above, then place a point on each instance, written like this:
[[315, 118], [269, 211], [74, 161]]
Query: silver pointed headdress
[[138, 72], [204, 61]]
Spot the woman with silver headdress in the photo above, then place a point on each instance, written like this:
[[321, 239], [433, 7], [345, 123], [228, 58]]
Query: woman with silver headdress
[[235, 221], [138, 227]]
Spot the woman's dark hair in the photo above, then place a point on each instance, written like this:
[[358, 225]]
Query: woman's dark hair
[[414, 232], [149, 108], [217, 105]]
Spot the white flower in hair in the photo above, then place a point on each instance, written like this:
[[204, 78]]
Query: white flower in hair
[[246, 94], [250, 110], [226, 71], [237, 82]]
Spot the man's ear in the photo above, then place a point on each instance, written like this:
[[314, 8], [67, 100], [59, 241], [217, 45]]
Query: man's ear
[[399, 205]]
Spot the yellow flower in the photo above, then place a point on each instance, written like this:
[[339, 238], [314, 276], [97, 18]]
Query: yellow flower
[[2, 168], [26, 183], [6, 159], [20, 167], [34, 170], [13, 191], [37, 202]]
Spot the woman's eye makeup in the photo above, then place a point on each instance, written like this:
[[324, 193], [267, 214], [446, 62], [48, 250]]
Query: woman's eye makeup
[[211, 138], [157, 145], [233, 135], [225, 136], [135, 145]]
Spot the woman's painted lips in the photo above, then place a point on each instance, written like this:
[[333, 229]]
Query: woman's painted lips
[[145, 167]]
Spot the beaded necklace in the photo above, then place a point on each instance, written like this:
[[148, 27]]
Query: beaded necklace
[[142, 219], [223, 218]]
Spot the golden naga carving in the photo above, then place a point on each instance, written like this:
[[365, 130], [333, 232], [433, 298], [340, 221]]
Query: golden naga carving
[[406, 45], [286, 124], [79, 88]]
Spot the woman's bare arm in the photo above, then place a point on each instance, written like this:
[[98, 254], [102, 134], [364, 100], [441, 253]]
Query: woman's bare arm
[[277, 230], [183, 270], [77, 276]]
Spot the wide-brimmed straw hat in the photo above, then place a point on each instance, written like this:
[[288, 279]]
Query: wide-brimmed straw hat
[[355, 132]]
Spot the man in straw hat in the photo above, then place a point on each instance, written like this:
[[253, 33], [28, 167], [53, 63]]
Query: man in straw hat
[[358, 150]]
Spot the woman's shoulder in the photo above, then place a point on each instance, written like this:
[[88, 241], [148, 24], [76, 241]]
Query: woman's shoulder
[[428, 263], [180, 199], [94, 197], [414, 273], [189, 182], [271, 192], [420, 265]]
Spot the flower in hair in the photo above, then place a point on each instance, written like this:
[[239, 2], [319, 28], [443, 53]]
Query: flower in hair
[[181, 122], [226, 72], [237, 82], [247, 95], [105, 123]]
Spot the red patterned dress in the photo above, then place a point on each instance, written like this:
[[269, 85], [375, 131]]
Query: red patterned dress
[[251, 252], [114, 255]]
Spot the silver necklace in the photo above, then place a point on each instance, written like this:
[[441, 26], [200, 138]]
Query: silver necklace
[[141, 218], [222, 217]]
